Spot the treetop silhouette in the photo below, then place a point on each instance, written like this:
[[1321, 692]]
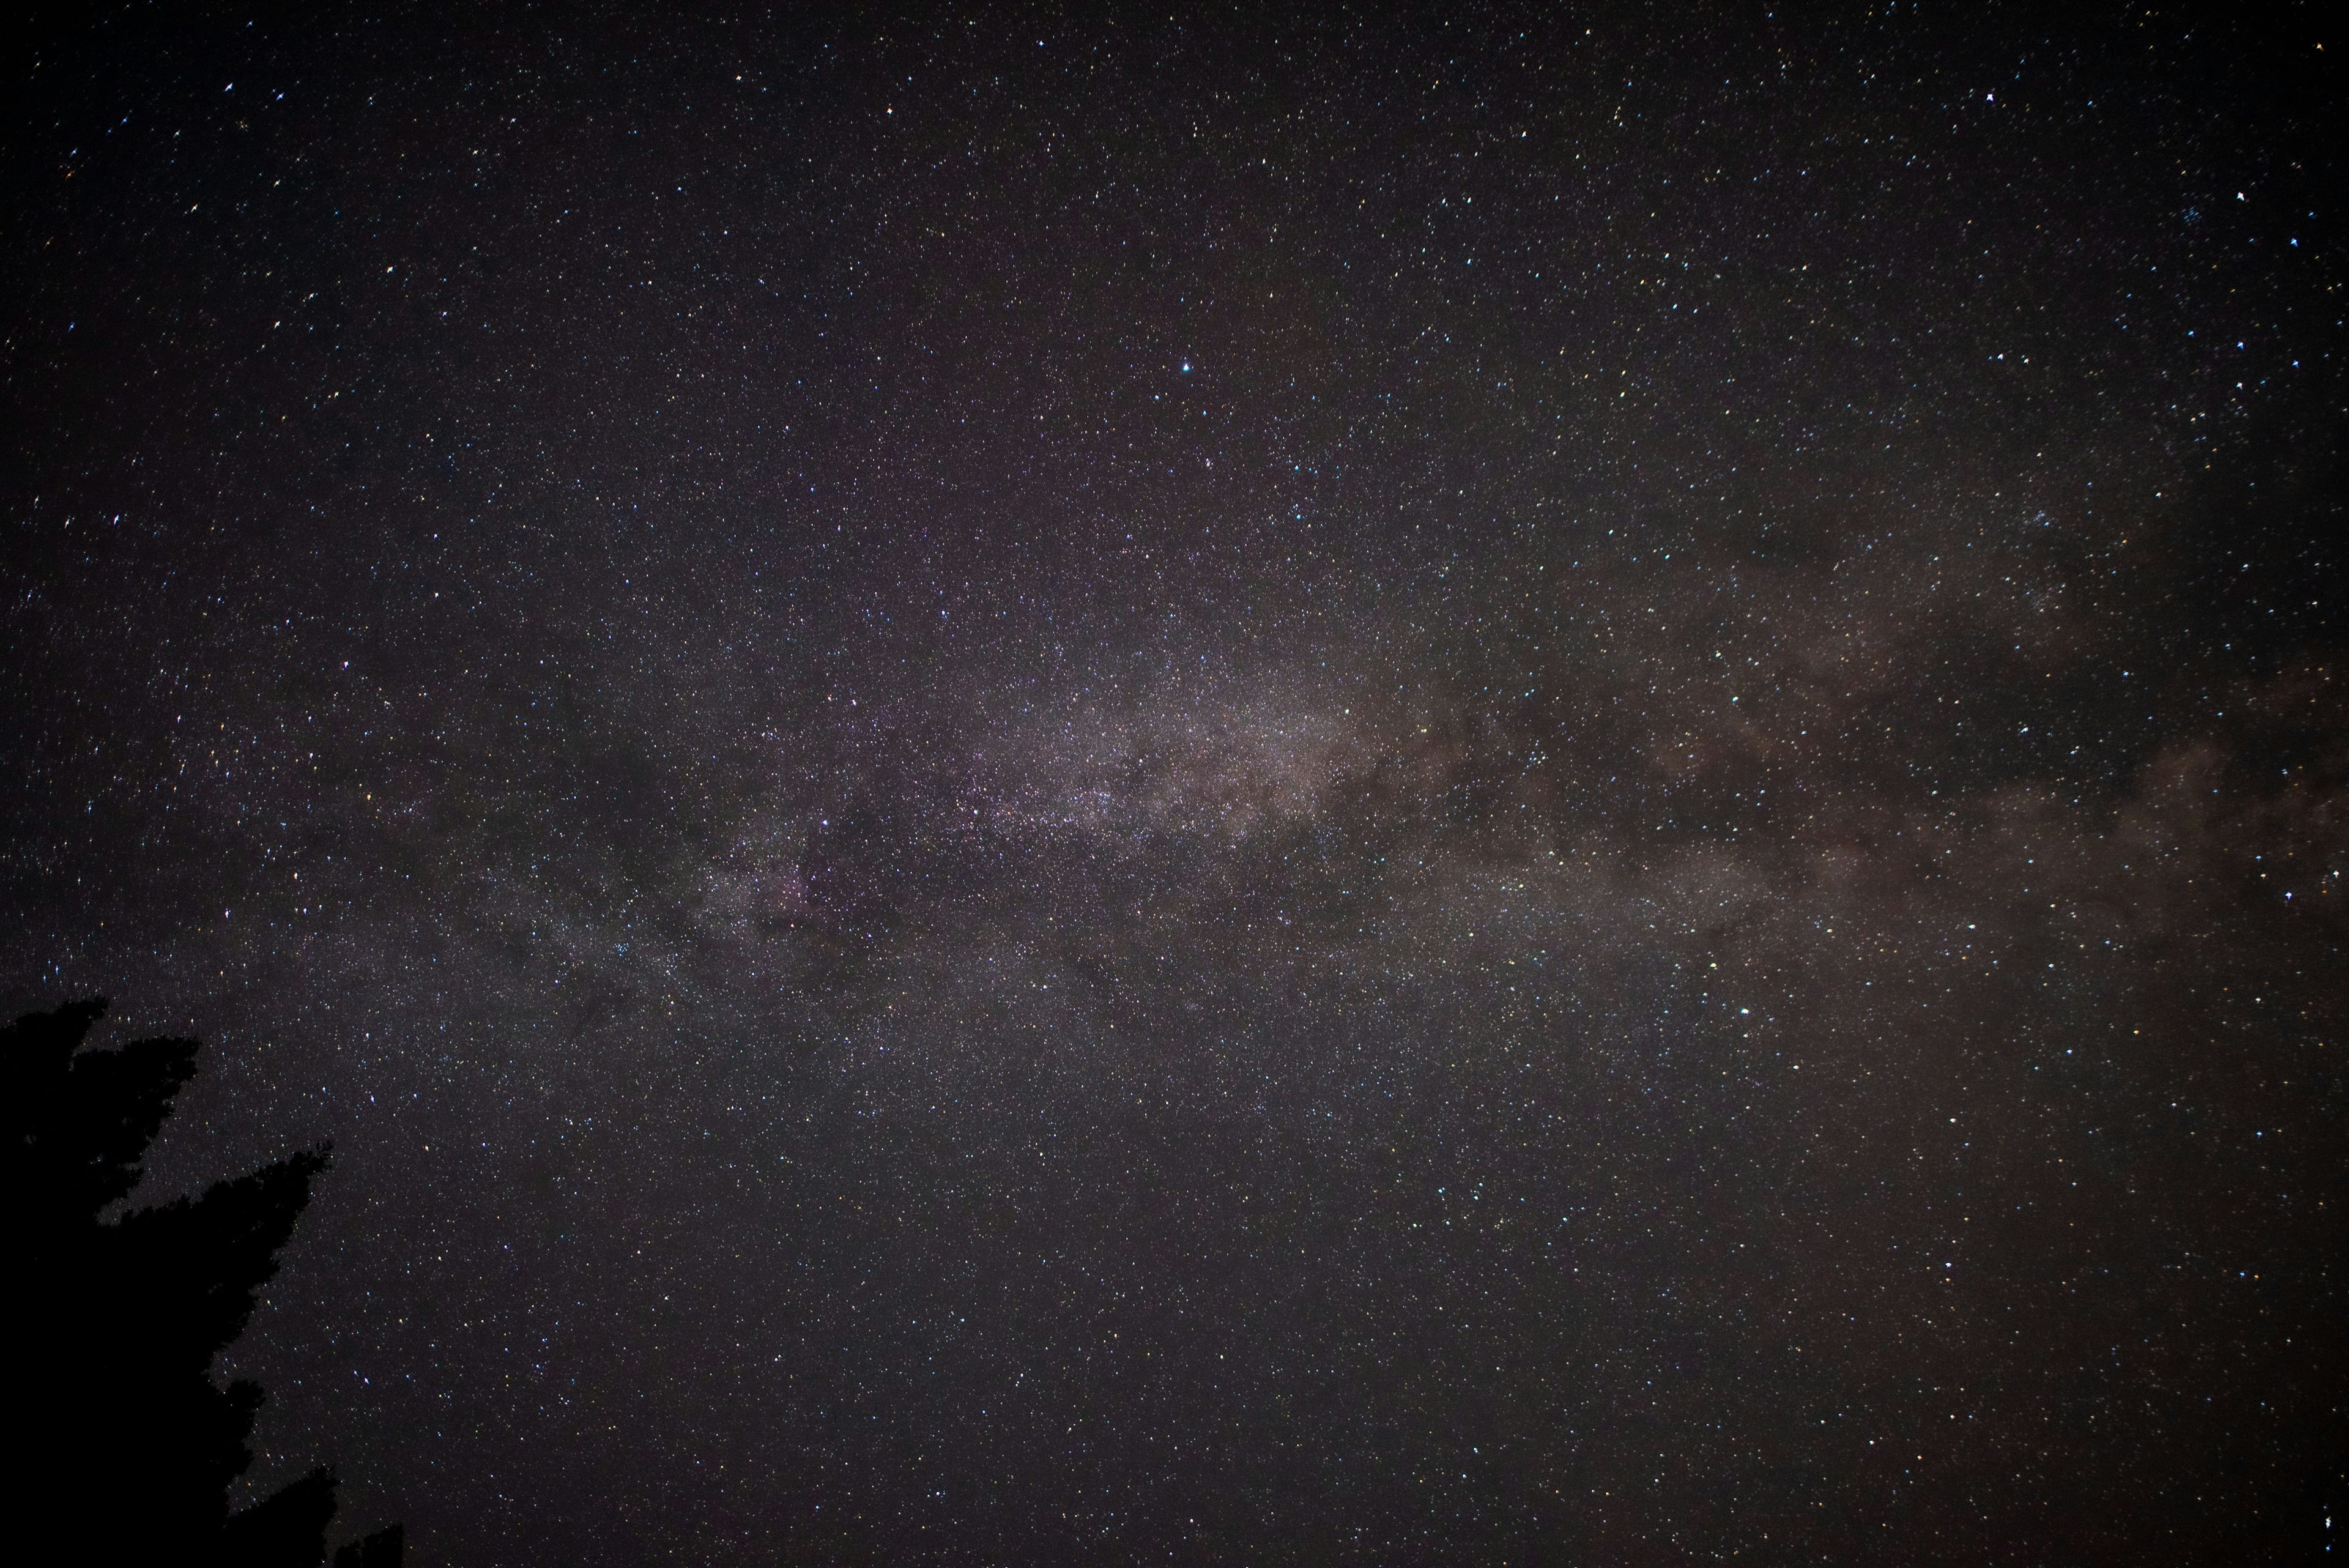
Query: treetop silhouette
[[131, 1446]]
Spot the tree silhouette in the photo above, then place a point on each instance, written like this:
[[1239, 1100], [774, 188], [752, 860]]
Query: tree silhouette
[[126, 1446]]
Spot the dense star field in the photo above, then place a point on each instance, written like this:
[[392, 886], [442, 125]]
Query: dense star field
[[1471, 788]]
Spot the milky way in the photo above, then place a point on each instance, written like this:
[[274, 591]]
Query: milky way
[[1462, 791]]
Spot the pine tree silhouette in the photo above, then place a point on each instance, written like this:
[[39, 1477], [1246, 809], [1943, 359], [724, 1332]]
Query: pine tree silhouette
[[126, 1444]]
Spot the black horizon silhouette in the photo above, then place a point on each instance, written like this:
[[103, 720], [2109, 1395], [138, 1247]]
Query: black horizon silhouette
[[133, 1445]]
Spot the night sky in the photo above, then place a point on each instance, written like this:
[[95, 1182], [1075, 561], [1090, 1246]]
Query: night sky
[[1434, 787]]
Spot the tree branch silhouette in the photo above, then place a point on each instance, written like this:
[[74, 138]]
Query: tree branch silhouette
[[124, 1436]]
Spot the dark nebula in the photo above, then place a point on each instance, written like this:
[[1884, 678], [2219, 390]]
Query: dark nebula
[[1464, 786]]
